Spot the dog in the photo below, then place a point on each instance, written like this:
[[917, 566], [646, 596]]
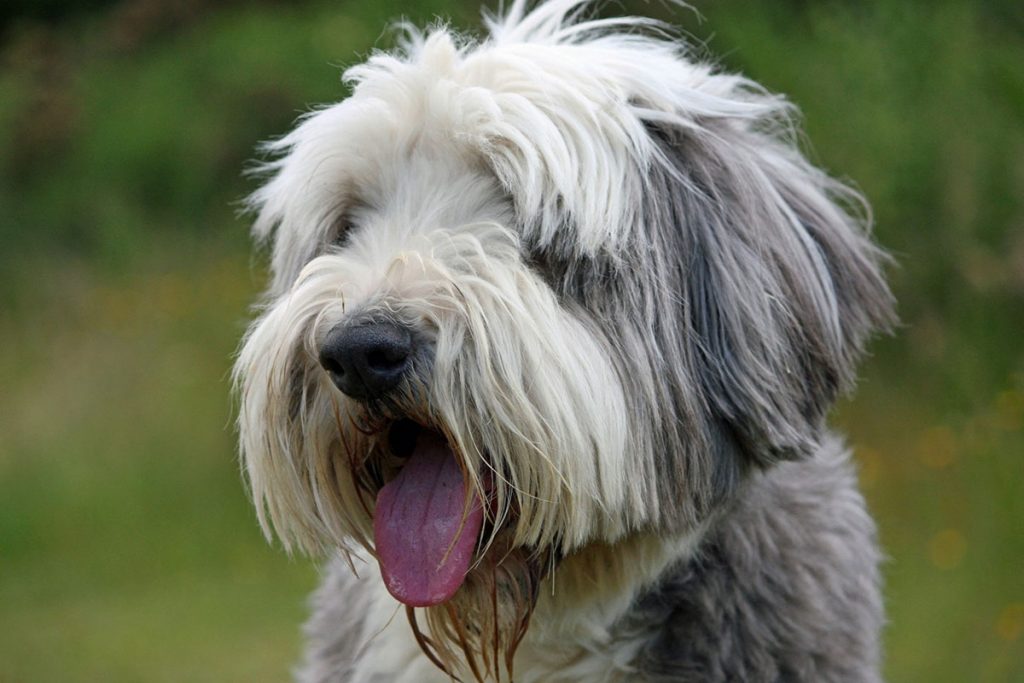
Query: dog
[[555, 320]]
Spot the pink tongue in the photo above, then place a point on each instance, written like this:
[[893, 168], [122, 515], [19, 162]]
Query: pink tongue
[[424, 536]]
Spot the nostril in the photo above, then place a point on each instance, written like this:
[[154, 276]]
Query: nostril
[[332, 355], [332, 366]]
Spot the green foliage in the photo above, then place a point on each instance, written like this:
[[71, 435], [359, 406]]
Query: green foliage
[[127, 548], [122, 128]]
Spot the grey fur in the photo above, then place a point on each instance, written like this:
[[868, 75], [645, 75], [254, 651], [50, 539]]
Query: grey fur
[[337, 628], [748, 291], [784, 588]]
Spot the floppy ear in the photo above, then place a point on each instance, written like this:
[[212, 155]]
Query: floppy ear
[[782, 285]]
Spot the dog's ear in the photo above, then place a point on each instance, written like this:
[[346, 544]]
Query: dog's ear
[[782, 285]]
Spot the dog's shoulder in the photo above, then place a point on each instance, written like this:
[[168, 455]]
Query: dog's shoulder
[[785, 586]]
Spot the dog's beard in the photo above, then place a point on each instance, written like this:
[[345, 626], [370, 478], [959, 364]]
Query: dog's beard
[[481, 627], [522, 391], [476, 606]]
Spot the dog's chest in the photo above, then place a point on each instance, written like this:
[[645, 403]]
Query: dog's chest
[[585, 644], [395, 657], [601, 657]]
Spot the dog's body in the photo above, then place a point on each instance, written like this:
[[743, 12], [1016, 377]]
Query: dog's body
[[555, 324]]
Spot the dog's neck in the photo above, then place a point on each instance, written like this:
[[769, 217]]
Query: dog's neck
[[602, 579], [589, 592]]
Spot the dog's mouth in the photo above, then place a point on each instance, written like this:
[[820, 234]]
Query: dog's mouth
[[428, 518]]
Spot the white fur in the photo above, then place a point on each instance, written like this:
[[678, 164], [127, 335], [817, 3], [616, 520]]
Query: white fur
[[431, 141]]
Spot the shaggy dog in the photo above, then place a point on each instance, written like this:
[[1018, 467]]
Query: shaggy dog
[[555, 323]]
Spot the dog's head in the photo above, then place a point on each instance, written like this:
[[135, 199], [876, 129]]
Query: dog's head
[[557, 287]]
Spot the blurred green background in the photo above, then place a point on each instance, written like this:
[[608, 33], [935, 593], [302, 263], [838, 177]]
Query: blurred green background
[[128, 550]]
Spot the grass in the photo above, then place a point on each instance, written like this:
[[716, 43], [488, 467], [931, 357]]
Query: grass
[[128, 549]]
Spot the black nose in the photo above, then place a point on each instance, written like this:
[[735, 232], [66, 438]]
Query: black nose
[[367, 360]]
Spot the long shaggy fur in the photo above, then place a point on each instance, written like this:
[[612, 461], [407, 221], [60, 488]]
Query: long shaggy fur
[[634, 302]]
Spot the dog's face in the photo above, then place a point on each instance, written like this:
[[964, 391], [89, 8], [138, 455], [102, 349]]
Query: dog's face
[[559, 287]]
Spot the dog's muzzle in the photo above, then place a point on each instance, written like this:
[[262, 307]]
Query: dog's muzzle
[[366, 360], [428, 518]]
